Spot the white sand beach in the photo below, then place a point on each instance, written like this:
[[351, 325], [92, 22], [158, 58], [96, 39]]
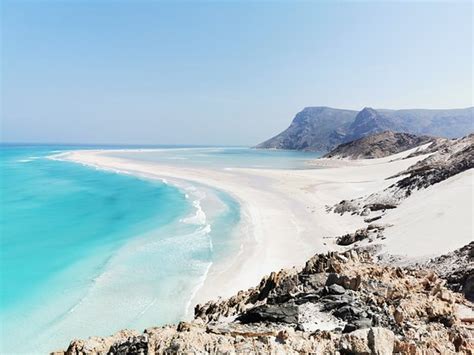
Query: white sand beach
[[285, 219]]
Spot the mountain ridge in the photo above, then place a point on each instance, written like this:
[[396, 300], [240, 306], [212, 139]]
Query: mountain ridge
[[322, 128]]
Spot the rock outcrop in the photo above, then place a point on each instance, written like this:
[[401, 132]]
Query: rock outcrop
[[323, 128], [371, 232], [457, 268], [378, 145], [339, 303]]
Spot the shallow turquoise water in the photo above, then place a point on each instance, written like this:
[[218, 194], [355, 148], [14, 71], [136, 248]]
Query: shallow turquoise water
[[77, 243], [54, 213], [224, 157], [85, 251]]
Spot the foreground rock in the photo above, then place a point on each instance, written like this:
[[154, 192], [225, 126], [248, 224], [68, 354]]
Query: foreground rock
[[338, 303]]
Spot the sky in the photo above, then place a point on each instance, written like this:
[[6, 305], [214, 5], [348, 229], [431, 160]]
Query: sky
[[220, 72]]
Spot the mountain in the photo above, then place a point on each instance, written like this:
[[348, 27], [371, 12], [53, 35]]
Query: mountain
[[323, 128], [314, 128], [370, 121], [378, 145]]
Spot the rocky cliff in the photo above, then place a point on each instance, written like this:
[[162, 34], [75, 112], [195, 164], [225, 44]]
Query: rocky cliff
[[378, 145], [324, 128], [339, 303]]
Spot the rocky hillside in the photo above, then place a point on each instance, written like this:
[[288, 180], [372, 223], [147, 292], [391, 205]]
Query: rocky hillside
[[339, 303], [445, 158], [324, 128], [378, 145]]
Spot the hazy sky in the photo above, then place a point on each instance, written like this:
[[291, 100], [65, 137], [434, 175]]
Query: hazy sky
[[221, 72]]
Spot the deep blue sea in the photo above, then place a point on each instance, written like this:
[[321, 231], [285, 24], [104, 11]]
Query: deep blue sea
[[86, 251]]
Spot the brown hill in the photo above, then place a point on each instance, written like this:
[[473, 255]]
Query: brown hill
[[378, 145]]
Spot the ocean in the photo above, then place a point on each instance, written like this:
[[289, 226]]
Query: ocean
[[89, 252]]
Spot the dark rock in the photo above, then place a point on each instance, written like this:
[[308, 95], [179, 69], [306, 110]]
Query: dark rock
[[348, 313], [348, 328], [369, 220], [351, 238], [375, 227], [284, 313], [282, 336], [380, 206], [336, 289], [468, 286], [137, 345], [183, 327], [306, 297]]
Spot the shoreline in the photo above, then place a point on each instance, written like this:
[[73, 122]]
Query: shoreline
[[187, 187], [247, 262], [284, 219]]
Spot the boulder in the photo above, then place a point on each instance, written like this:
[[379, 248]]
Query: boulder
[[381, 341], [351, 283], [373, 341], [356, 342]]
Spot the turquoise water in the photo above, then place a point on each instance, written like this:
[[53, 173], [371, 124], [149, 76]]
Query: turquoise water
[[88, 208], [225, 157], [84, 251]]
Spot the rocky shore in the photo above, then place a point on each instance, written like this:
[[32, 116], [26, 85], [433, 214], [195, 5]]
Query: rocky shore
[[339, 303]]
